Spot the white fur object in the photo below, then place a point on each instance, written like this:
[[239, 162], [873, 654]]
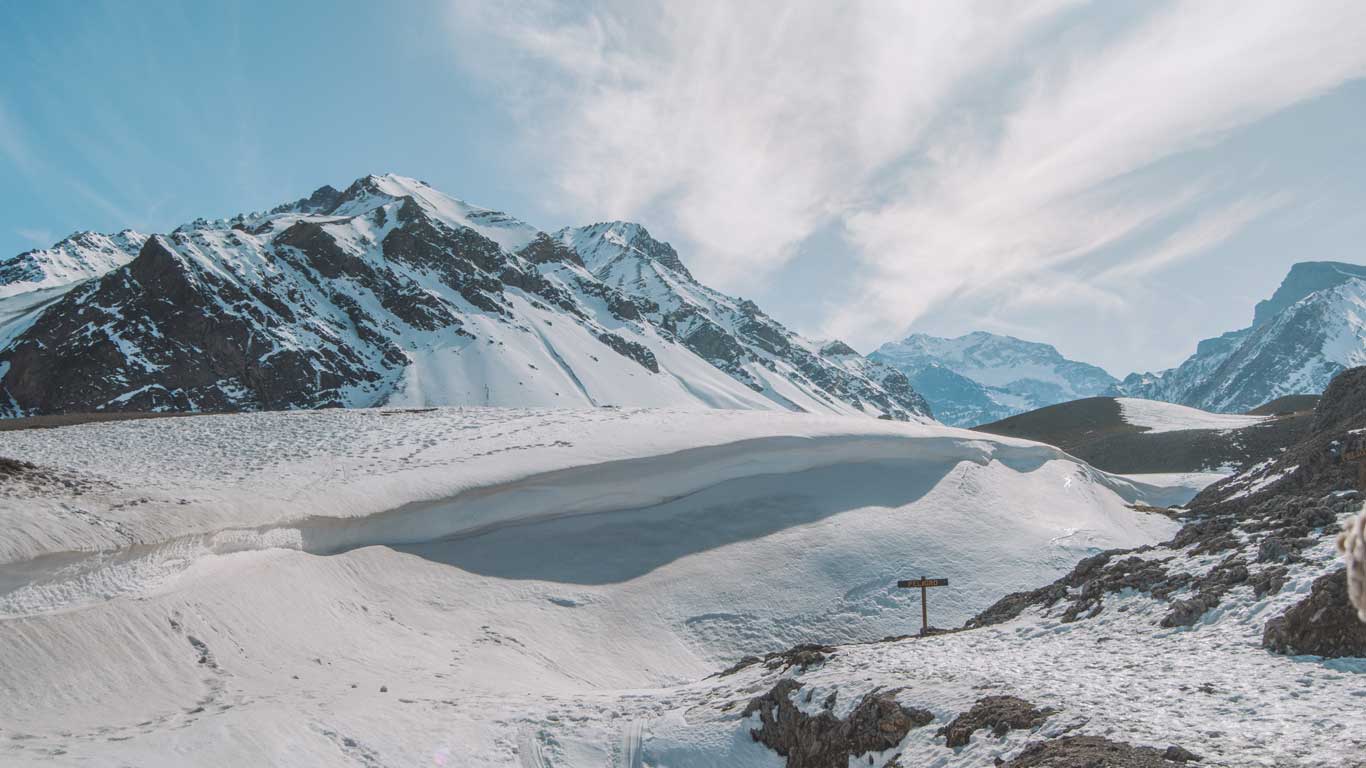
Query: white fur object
[[1352, 544]]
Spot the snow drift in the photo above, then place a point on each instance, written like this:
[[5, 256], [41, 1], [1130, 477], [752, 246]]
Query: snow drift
[[212, 586]]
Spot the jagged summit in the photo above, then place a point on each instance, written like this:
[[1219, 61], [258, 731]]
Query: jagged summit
[[608, 242], [392, 292], [1305, 278], [1312, 328], [79, 256]]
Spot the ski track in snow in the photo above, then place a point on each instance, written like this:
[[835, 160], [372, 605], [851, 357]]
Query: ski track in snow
[[555, 586]]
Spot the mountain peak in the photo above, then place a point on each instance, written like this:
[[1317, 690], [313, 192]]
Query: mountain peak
[[609, 242], [981, 376], [1307, 332], [76, 257], [392, 292], [1304, 278]]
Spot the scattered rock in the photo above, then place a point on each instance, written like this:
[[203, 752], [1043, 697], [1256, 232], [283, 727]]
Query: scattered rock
[[1268, 581], [1096, 752], [1322, 624], [822, 740], [1181, 755], [802, 656], [1000, 714], [1272, 550]]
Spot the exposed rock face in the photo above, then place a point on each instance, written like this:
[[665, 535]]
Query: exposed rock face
[[1097, 752], [391, 292], [733, 334], [1343, 402], [822, 740], [1306, 333], [998, 714], [1323, 624]]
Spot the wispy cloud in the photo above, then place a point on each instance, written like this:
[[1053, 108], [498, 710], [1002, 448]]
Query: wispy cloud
[[13, 146], [1207, 231], [40, 237], [965, 148]]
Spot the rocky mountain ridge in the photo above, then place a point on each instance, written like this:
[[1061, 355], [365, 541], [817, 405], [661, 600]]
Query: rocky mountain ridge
[[392, 293], [1312, 328]]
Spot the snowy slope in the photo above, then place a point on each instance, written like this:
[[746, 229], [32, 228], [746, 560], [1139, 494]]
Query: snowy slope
[[550, 583], [79, 257], [392, 292], [1310, 330], [734, 334], [982, 377], [1157, 416]]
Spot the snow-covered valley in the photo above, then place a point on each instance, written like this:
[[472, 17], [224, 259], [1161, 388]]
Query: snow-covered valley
[[523, 585]]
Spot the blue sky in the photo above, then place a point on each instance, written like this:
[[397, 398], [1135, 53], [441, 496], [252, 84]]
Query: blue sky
[[1117, 179]]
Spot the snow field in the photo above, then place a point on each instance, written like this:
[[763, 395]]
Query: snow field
[[1158, 416], [547, 577]]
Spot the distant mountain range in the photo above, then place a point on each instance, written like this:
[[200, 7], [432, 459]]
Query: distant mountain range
[[392, 293], [983, 377], [1312, 328]]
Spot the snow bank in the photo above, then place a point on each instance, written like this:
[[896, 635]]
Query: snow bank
[[208, 586], [1157, 416]]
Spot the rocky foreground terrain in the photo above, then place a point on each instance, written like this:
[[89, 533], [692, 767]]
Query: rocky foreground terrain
[[1232, 644]]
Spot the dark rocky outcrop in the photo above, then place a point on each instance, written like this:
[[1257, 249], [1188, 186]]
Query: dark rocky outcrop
[[803, 656], [544, 249], [1097, 752], [877, 723], [1322, 624], [627, 348], [998, 714]]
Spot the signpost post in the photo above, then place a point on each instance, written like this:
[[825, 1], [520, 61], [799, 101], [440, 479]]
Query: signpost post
[[923, 583]]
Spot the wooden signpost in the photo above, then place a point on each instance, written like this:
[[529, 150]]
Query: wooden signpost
[[923, 583]]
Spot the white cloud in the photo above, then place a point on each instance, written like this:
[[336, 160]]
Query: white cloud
[[749, 124], [968, 148]]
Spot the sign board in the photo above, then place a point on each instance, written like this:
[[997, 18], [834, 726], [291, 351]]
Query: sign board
[[923, 582], [908, 583]]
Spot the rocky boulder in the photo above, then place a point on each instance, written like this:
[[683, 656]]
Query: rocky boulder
[[1322, 624], [823, 740], [999, 714]]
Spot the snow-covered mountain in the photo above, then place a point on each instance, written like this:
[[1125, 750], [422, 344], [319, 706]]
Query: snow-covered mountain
[[982, 377], [79, 257], [390, 292], [1312, 328]]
